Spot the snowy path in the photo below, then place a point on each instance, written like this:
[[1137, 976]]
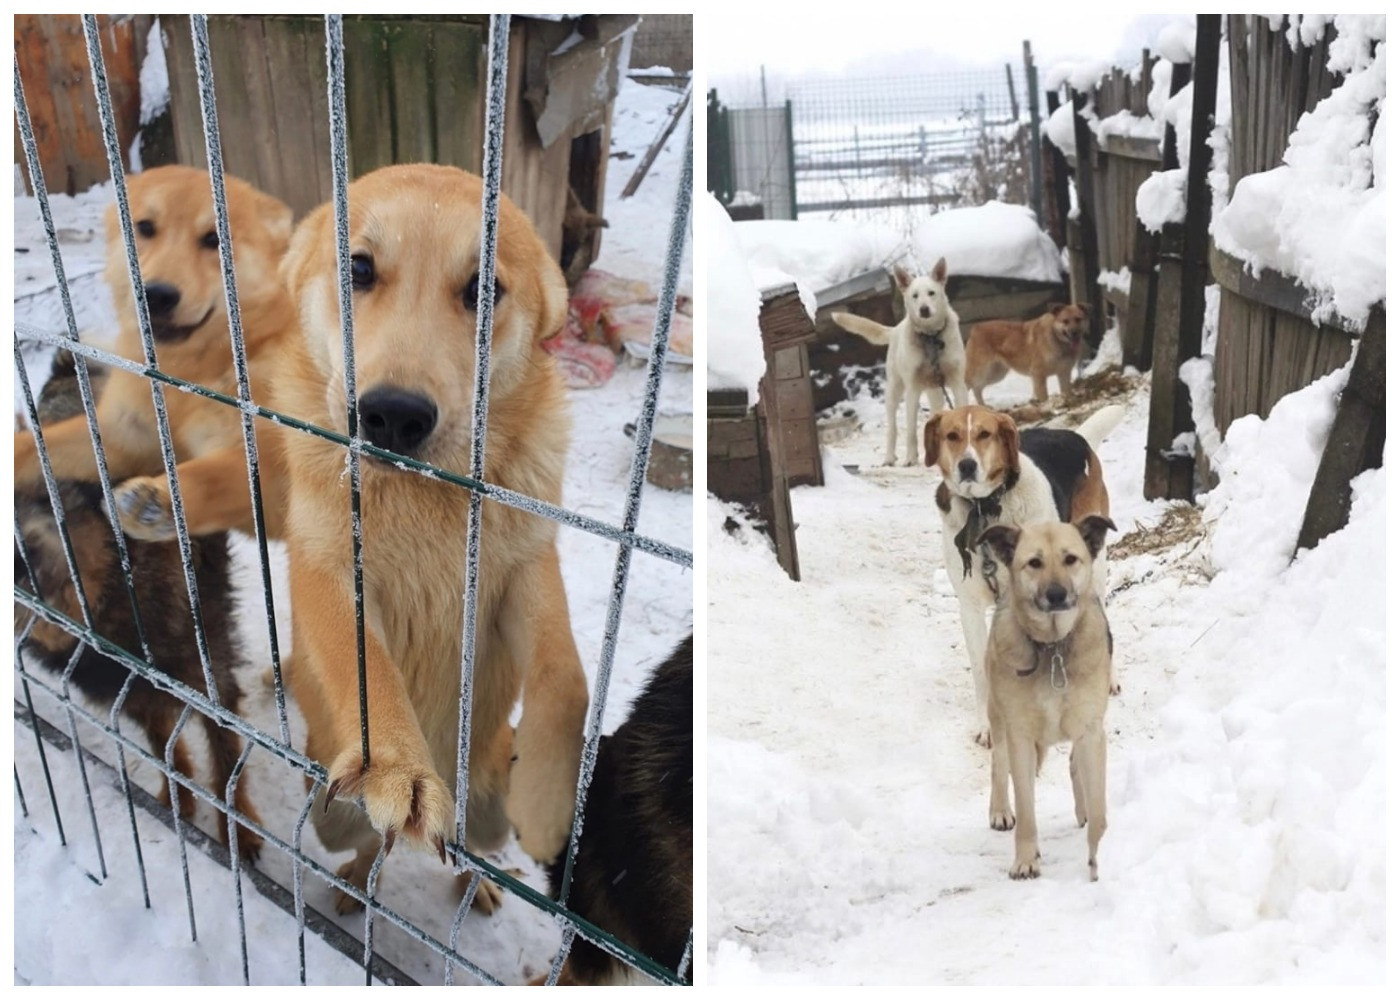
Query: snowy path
[[848, 833]]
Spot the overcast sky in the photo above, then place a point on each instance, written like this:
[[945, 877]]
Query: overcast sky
[[924, 40]]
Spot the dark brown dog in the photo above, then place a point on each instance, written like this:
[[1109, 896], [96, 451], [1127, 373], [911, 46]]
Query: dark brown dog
[[163, 603]]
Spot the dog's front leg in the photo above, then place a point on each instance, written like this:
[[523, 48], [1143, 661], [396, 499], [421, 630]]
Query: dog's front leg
[[999, 812], [1089, 758], [549, 738], [403, 794], [1022, 758], [893, 392], [974, 623], [912, 397]]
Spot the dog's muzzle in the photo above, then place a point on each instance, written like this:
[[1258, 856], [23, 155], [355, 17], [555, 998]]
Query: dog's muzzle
[[1056, 598]]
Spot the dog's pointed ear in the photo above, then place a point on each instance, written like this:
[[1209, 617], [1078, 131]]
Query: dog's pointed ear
[[1010, 439], [901, 277], [1093, 528], [940, 271], [931, 439], [1054, 307], [554, 300], [1001, 539]]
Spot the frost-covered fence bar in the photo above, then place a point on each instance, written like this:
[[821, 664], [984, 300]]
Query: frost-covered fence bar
[[139, 665]]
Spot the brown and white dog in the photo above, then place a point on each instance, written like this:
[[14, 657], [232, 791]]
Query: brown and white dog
[[1048, 668], [1047, 345], [925, 354], [994, 474]]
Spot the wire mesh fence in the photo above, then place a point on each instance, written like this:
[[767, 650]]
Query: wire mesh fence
[[56, 613], [883, 146]]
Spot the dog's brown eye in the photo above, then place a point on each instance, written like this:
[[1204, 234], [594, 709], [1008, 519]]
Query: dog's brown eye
[[146, 228], [1071, 559], [210, 240], [471, 295], [952, 437], [1034, 563], [983, 435], [362, 271]]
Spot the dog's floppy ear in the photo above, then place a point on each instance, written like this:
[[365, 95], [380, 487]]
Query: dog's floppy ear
[[1010, 439], [940, 271], [931, 439], [901, 277], [1001, 539], [302, 249], [1093, 528], [275, 215], [554, 299]]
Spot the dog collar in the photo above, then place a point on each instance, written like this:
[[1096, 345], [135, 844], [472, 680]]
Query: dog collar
[[1059, 677], [985, 511]]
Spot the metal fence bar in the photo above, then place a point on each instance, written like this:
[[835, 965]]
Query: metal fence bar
[[510, 498], [113, 719], [19, 790], [39, 743], [138, 291], [213, 147], [235, 855], [41, 195], [641, 451], [485, 309], [173, 784], [298, 895], [335, 85]]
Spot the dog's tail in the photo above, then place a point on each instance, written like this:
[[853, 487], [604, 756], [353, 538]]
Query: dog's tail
[[874, 332], [1098, 426]]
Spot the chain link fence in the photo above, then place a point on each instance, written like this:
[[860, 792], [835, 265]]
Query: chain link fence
[[39, 613], [882, 147]]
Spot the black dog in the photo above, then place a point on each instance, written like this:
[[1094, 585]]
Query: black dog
[[632, 876], [163, 602]]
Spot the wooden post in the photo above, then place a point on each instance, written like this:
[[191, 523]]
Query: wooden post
[[1088, 231], [1141, 320], [1179, 337], [1356, 441], [1036, 158], [1058, 172]]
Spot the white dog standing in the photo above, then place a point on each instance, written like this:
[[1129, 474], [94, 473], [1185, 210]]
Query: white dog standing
[[925, 354]]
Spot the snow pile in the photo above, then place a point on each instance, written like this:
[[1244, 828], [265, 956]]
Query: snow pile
[[819, 254], [1059, 128], [1320, 217], [992, 240], [1270, 465], [1162, 199], [1176, 42], [734, 358]]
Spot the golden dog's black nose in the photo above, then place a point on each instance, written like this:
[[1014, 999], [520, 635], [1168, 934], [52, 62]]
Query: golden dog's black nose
[[395, 419], [162, 299]]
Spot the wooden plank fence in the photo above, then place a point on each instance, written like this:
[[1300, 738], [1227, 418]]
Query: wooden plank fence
[[1269, 343]]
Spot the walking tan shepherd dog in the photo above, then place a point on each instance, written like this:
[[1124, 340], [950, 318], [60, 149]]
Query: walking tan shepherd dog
[[415, 234], [1048, 667], [172, 211], [1047, 345], [925, 354]]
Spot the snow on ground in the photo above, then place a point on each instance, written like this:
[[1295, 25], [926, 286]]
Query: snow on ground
[[848, 831], [56, 887]]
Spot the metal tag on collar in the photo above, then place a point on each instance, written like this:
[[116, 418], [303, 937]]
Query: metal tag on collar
[[1059, 677]]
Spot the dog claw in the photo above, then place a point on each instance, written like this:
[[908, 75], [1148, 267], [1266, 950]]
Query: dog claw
[[331, 793], [441, 847], [389, 836]]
